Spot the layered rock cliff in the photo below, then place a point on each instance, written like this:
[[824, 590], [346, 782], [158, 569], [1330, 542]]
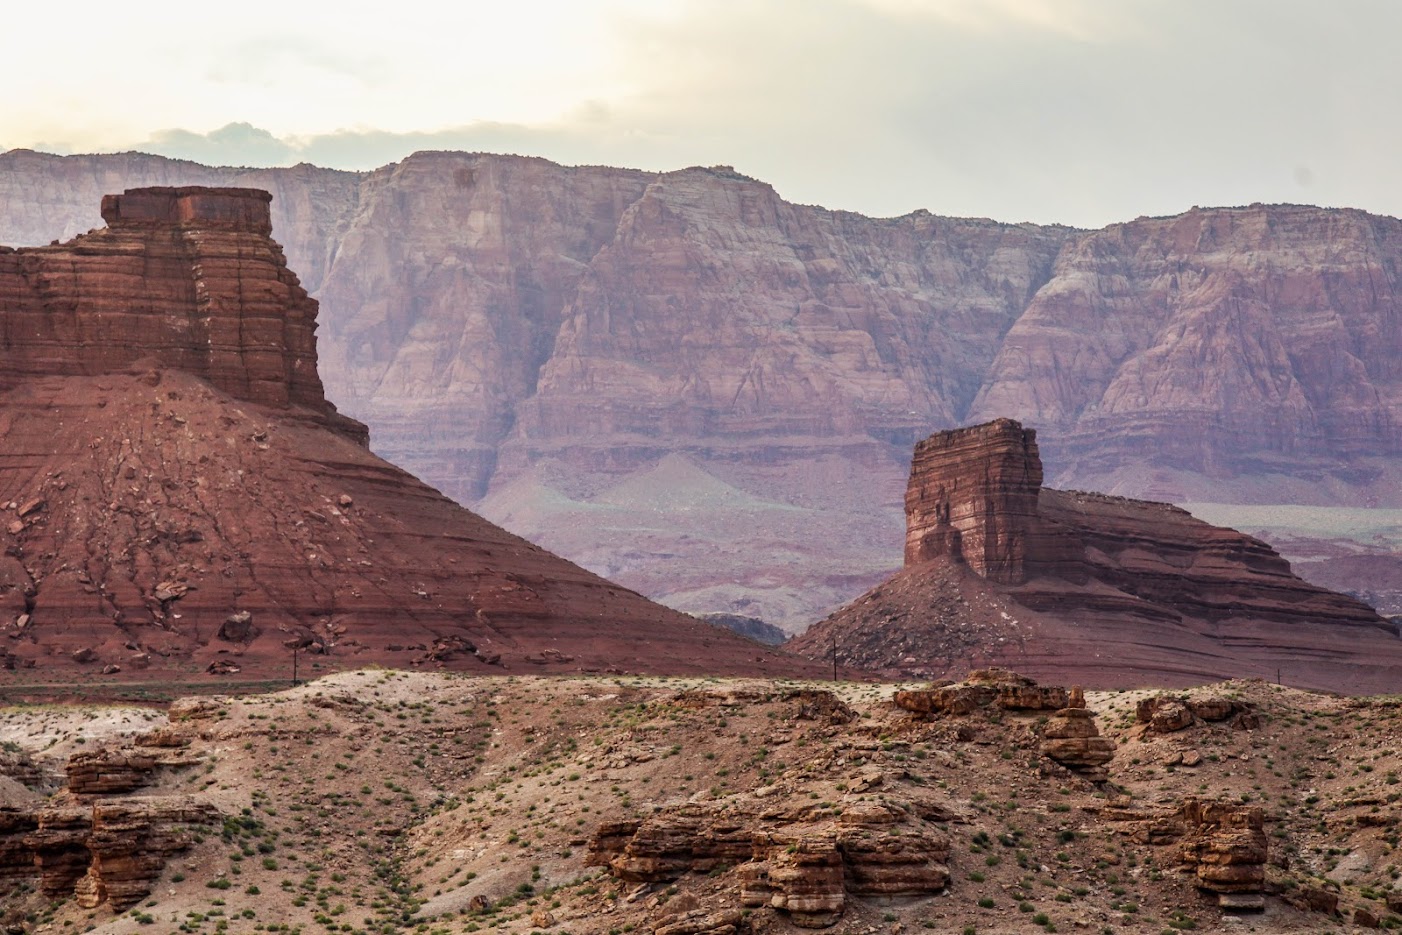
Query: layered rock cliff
[[1095, 588], [188, 278], [549, 343], [1224, 343], [177, 495]]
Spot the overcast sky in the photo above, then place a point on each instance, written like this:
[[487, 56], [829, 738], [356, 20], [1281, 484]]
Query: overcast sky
[[1075, 111]]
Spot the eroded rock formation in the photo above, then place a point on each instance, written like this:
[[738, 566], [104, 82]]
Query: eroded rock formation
[[175, 487], [1073, 740], [95, 843], [998, 687], [188, 278], [1088, 587], [802, 860], [1223, 844]]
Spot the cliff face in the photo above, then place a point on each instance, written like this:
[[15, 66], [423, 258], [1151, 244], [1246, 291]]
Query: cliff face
[[177, 495], [187, 277], [451, 284], [972, 497], [541, 340], [1096, 588], [1225, 342]]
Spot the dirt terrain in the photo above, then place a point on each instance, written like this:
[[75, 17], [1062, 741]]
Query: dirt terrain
[[382, 801]]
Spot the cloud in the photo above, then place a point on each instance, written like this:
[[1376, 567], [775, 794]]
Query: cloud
[[236, 144], [1076, 111]]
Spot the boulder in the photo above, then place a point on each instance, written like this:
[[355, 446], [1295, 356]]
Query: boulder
[[239, 628]]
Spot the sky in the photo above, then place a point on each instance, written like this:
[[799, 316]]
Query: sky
[[1081, 112]]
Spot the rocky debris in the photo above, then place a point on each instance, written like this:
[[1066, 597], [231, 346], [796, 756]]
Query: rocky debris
[[702, 922], [1308, 897], [1224, 844], [223, 667], [1071, 738], [1364, 917], [790, 859], [815, 704], [197, 708], [1000, 570], [550, 656], [168, 591], [446, 648], [984, 687], [194, 494]]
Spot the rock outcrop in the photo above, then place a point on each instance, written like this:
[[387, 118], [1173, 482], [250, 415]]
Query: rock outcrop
[[93, 841], [997, 687], [1090, 588], [1072, 739], [176, 488], [803, 861], [548, 342], [1223, 844], [752, 627], [111, 852], [1167, 713]]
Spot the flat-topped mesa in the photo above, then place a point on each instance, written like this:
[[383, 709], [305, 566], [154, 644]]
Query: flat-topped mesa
[[241, 209], [188, 278], [973, 497]]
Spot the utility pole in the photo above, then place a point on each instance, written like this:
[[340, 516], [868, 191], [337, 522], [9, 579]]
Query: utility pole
[[834, 655], [294, 667]]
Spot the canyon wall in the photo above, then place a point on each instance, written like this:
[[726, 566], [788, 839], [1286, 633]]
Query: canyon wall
[[709, 393]]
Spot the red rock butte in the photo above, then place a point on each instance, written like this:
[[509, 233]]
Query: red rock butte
[[178, 497], [188, 277], [1086, 587]]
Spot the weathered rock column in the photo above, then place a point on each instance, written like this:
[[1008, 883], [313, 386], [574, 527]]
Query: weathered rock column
[[973, 497]]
